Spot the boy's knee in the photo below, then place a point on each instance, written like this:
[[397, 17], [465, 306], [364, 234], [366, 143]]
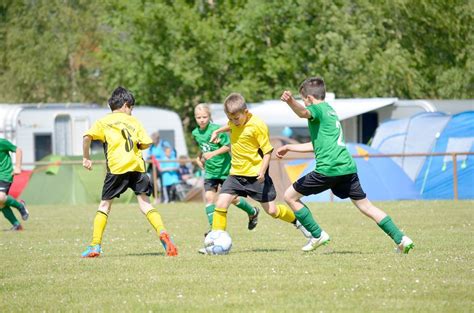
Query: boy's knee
[[290, 196], [3, 198]]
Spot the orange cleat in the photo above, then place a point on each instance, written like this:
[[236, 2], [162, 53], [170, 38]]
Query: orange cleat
[[168, 244]]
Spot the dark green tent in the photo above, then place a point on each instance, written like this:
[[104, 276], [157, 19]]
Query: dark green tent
[[64, 183]]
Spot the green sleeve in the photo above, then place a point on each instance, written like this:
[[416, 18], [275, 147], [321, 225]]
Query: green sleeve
[[315, 111], [7, 146], [224, 139]]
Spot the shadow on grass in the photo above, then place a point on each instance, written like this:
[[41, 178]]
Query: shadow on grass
[[259, 250], [144, 254]]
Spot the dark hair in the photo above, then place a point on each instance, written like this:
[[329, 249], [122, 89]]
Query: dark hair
[[313, 86], [119, 97]]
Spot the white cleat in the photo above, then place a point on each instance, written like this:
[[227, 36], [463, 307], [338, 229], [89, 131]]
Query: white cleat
[[313, 243], [202, 251], [305, 232], [405, 245]]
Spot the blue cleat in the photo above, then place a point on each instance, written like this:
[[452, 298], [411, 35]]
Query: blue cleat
[[24, 211], [92, 251]]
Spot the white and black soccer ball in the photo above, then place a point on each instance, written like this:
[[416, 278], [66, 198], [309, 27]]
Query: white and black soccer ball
[[218, 242]]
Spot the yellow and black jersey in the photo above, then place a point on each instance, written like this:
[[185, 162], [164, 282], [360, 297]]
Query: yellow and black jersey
[[248, 141], [121, 133]]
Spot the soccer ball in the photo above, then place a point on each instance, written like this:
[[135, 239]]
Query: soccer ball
[[218, 242]]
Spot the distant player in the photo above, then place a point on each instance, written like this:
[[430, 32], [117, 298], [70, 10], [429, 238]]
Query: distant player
[[7, 171], [251, 151], [335, 168], [214, 158], [124, 139]]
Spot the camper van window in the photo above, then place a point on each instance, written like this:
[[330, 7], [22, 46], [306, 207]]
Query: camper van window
[[43, 145]]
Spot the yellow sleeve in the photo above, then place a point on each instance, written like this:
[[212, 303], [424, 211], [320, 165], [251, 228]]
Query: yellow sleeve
[[96, 131], [263, 138], [143, 137]]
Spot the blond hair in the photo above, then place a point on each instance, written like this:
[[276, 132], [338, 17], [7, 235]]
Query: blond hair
[[203, 107], [234, 103]]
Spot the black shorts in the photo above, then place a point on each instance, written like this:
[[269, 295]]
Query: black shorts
[[249, 186], [212, 184], [116, 184], [344, 186], [5, 186]]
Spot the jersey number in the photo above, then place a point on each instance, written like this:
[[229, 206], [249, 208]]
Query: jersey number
[[128, 140], [340, 139]]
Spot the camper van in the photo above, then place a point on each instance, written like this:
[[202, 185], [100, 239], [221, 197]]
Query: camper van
[[44, 129]]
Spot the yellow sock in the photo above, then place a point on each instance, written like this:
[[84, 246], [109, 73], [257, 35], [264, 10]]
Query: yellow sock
[[100, 221], [155, 220], [219, 221], [285, 213]]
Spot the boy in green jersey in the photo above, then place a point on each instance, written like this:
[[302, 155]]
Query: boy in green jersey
[[124, 138], [215, 159], [335, 168], [7, 171]]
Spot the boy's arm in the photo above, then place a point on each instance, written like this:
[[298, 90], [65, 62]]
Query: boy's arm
[[215, 134], [86, 143], [18, 161], [224, 149], [264, 168], [298, 108], [143, 146], [297, 147]]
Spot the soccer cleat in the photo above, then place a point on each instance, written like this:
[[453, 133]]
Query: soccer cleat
[[405, 245], [24, 211], [17, 227], [253, 219], [169, 246], [305, 232], [202, 251], [313, 243], [92, 251], [205, 234]]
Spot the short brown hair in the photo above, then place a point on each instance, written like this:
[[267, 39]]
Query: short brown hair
[[234, 103], [313, 86]]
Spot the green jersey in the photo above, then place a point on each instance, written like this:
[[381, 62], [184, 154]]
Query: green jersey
[[217, 167], [332, 156], [6, 166]]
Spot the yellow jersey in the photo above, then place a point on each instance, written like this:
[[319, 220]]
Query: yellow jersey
[[246, 142], [121, 134]]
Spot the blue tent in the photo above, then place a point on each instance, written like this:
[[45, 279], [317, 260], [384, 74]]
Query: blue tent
[[435, 180], [381, 178]]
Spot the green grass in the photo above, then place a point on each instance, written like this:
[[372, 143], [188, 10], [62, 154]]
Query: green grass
[[266, 270]]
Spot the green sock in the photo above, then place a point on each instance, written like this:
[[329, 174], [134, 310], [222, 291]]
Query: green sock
[[8, 213], [306, 219], [245, 206], [11, 202], [389, 227], [210, 212]]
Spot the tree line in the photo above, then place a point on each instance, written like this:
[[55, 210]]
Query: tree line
[[175, 54]]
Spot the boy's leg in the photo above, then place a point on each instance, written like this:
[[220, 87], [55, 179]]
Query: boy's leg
[[156, 222], [302, 212], [251, 211], [210, 196], [220, 212], [100, 221], [279, 211], [12, 202], [8, 213], [385, 222]]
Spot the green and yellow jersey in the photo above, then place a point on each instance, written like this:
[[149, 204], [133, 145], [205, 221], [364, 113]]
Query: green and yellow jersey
[[332, 156], [247, 141], [217, 167], [6, 165], [120, 134]]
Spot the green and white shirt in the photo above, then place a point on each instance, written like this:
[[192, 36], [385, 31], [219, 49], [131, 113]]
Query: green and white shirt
[[6, 165], [332, 156], [217, 167]]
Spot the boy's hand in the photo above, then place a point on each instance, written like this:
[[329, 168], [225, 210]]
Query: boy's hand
[[280, 153], [16, 171], [206, 156], [286, 96], [215, 137], [261, 177], [87, 164]]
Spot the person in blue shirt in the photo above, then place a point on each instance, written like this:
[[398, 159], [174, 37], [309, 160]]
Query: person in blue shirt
[[169, 176]]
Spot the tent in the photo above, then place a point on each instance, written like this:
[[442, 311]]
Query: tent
[[381, 178], [61, 182], [436, 177], [415, 134]]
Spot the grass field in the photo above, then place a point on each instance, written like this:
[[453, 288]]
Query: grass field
[[266, 271]]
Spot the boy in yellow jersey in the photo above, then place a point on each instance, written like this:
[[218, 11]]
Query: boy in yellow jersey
[[251, 152], [124, 137]]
